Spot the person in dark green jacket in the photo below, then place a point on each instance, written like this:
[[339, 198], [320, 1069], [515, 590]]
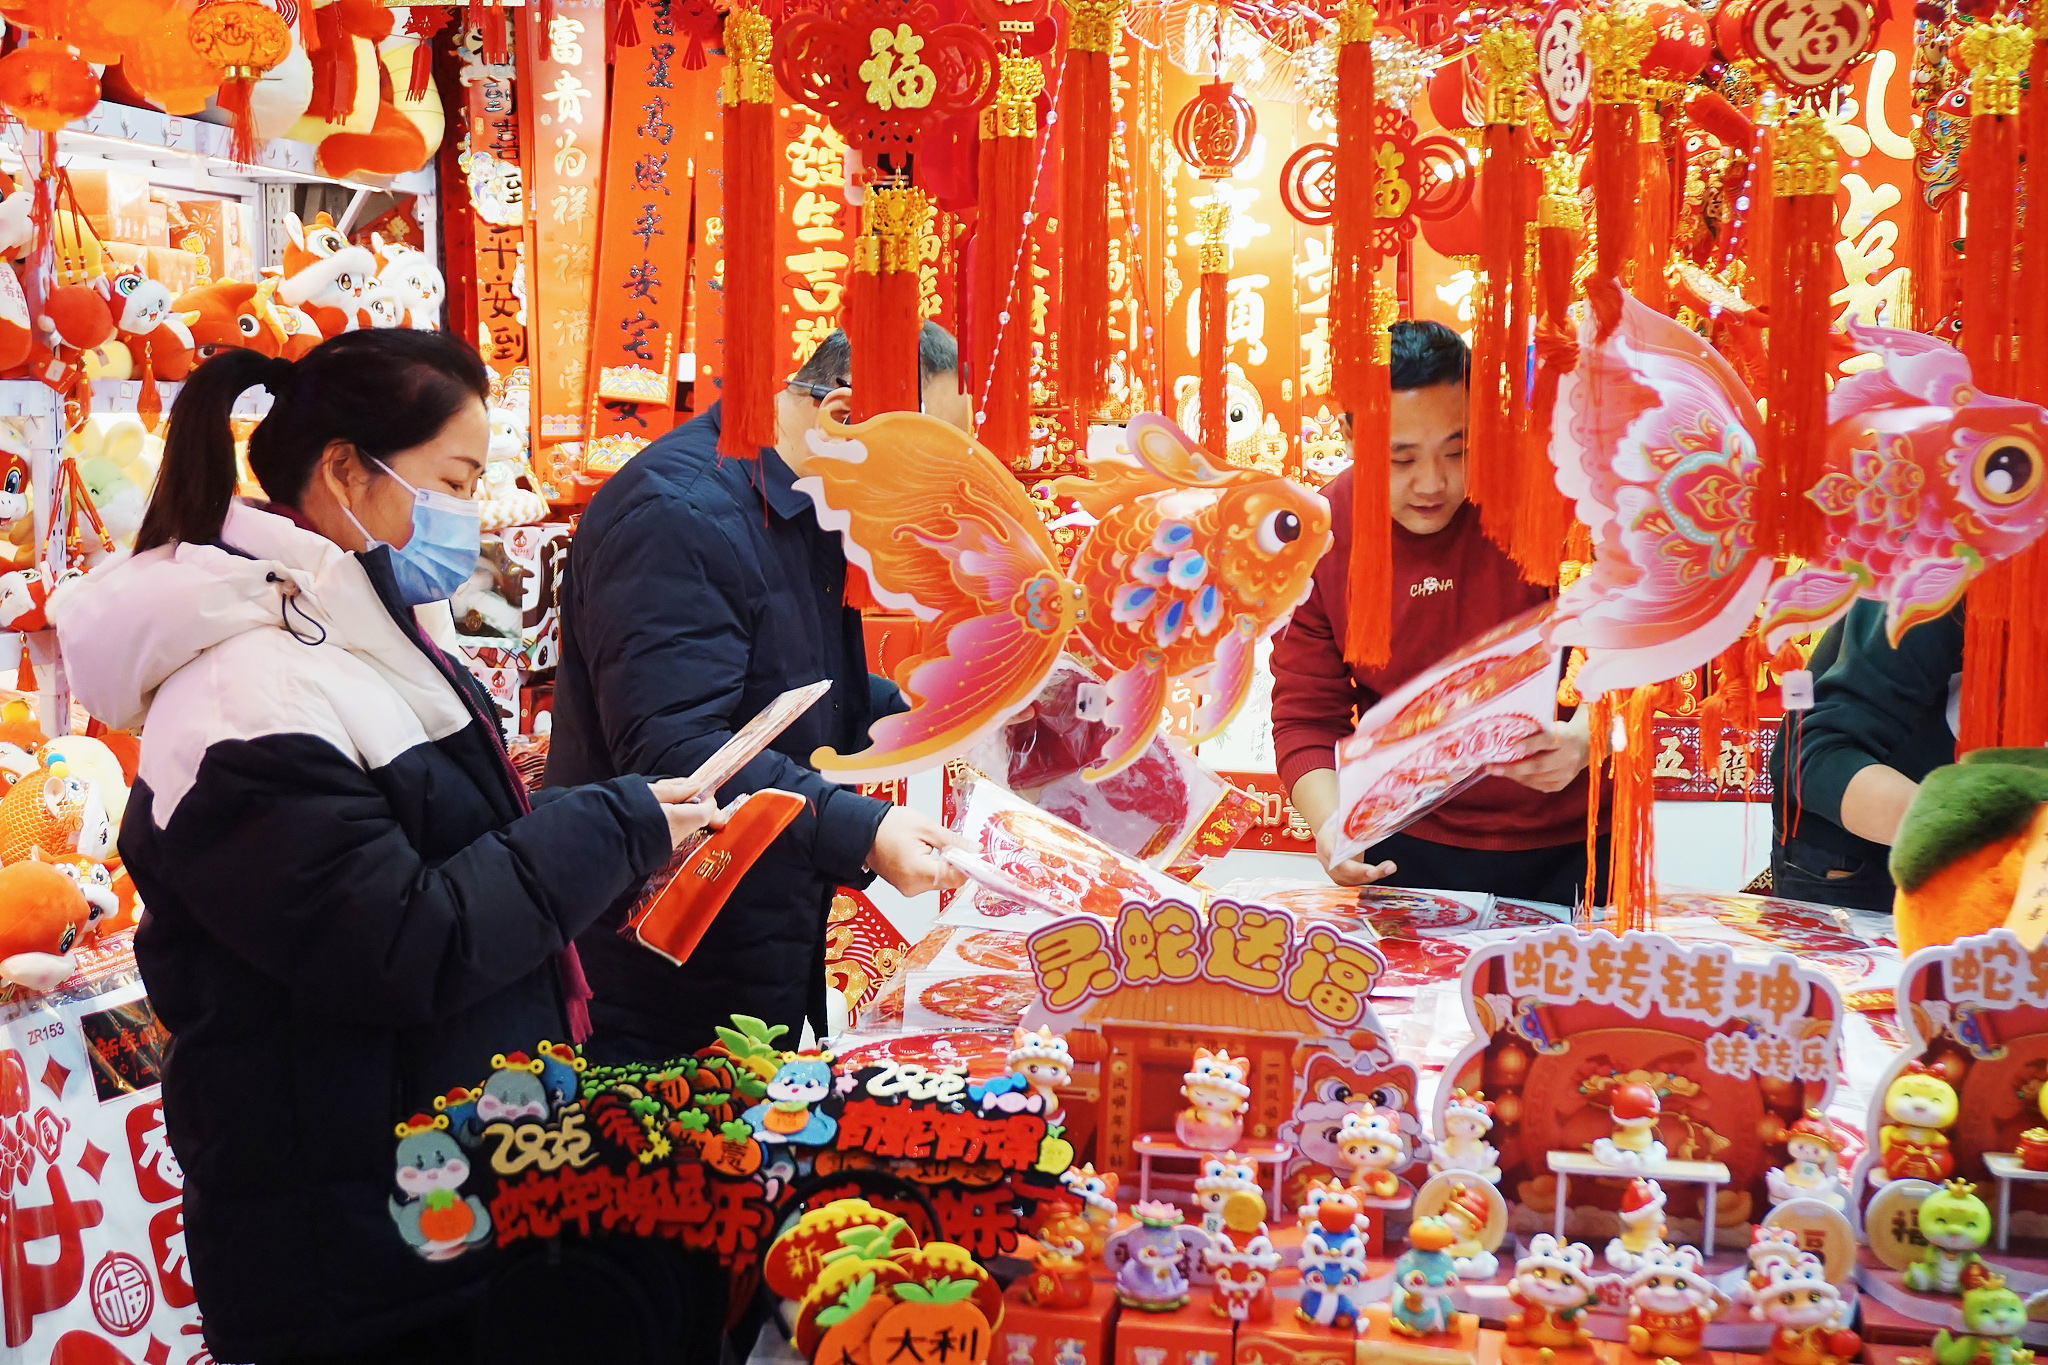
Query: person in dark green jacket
[[1844, 772]]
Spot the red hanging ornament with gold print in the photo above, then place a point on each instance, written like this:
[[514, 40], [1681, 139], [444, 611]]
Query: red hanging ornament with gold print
[[747, 407], [1213, 131], [245, 38]]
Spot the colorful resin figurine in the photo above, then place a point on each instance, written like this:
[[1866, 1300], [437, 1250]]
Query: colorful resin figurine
[[1812, 1168], [1216, 1096], [1424, 1280], [1552, 1289], [1799, 1303], [1642, 1225], [1635, 1109], [1332, 1257], [1468, 1118], [1370, 1149], [1041, 1061], [1084, 1211], [1222, 1177], [787, 1115], [1768, 1247], [1242, 1260], [1154, 1257], [1059, 1277], [1992, 1318], [1921, 1105], [1954, 1223], [2033, 1148], [1466, 1213], [1671, 1301]]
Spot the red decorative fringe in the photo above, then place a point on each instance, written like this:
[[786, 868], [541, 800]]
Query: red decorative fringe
[[1653, 228], [1991, 164], [1542, 517], [1086, 124], [334, 65], [2025, 695], [491, 24], [1368, 629], [1001, 348], [2031, 382], [1498, 345], [1633, 888], [25, 672], [897, 324], [149, 403], [1981, 713], [1732, 703], [1615, 157], [1599, 731], [234, 100], [426, 23], [626, 33], [750, 382], [1215, 434], [1796, 428], [1353, 263]]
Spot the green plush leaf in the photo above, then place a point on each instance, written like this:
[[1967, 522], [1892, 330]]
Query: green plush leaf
[[710, 1099], [693, 1121], [736, 1132]]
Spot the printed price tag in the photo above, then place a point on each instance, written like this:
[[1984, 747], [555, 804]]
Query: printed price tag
[[2029, 917], [1796, 689]]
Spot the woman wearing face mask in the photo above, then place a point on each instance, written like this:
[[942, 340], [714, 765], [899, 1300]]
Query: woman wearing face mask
[[350, 906]]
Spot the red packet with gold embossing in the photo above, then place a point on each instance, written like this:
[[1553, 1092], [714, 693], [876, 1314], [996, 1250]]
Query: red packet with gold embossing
[[674, 911]]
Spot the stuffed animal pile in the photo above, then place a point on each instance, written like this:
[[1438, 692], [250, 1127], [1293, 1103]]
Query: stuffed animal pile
[[62, 886]]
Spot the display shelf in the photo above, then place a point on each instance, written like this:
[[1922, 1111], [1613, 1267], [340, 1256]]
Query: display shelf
[[185, 148]]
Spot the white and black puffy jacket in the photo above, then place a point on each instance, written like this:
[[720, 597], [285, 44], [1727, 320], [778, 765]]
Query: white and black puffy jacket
[[348, 913]]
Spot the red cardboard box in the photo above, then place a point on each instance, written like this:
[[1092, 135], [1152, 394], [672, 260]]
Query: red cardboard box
[[1046, 1336], [1193, 1335], [1287, 1340]]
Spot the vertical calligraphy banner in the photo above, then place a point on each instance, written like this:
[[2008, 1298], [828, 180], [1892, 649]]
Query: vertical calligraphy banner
[[703, 128], [566, 60], [493, 170], [642, 251], [814, 226]]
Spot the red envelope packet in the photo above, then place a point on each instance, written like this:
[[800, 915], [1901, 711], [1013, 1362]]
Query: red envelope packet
[[680, 902]]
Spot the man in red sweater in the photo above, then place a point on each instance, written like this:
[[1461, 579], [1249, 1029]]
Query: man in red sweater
[[1520, 831]]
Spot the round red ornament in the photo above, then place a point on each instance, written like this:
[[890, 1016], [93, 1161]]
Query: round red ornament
[[46, 85], [1682, 44]]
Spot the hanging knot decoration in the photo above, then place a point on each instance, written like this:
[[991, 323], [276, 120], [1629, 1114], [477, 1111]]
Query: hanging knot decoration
[[1087, 123], [998, 335], [245, 38], [1214, 130], [1542, 517], [1212, 221], [1358, 377], [1617, 37], [2001, 654], [1498, 397], [747, 403], [883, 312], [885, 80]]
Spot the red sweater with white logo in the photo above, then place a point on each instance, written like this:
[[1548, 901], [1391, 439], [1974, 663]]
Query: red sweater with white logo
[[1448, 588]]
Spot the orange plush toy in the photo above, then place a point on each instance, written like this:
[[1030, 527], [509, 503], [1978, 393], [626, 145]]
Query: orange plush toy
[[53, 813], [148, 323], [43, 919], [326, 275], [1958, 854]]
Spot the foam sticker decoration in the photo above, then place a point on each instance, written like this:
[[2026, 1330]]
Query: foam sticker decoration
[[1928, 481], [1189, 564]]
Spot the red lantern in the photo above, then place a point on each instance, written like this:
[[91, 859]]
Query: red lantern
[[244, 38], [46, 85], [1214, 131], [72, 22], [1681, 45], [168, 70]]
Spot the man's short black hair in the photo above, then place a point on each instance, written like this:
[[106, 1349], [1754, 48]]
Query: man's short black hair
[[1427, 353], [831, 365]]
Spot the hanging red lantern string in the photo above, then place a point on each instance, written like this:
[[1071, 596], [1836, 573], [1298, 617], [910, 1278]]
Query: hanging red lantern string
[[747, 406], [999, 339], [245, 38], [1087, 122], [1498, 389]]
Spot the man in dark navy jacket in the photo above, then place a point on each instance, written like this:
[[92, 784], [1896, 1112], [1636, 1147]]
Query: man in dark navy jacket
[[698, 590]]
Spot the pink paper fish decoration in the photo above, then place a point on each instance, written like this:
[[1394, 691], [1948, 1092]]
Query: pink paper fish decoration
[[1655, 438]]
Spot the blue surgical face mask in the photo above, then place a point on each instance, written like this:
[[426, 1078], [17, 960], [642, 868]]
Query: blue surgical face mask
[[447, 534]]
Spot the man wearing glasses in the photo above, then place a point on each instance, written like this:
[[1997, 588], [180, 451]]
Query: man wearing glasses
[[698, 590]]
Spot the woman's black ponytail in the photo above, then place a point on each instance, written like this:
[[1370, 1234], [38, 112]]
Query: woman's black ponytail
[[380, 391], [196, 481]]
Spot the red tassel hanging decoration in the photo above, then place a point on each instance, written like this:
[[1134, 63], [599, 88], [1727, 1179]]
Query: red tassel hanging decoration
[[425, 24], [885, 367], [1087, 122], [491, 24], [1653, 228], [626, 33], [1616, 41], [1802, 281], [1633, 882], [25, 672], [1599, 754], [1353, 262], [2031, 380], [747, 401], [1542, 518], [1980, 718], [1507, 57], [1368, 631], [999, 333]]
